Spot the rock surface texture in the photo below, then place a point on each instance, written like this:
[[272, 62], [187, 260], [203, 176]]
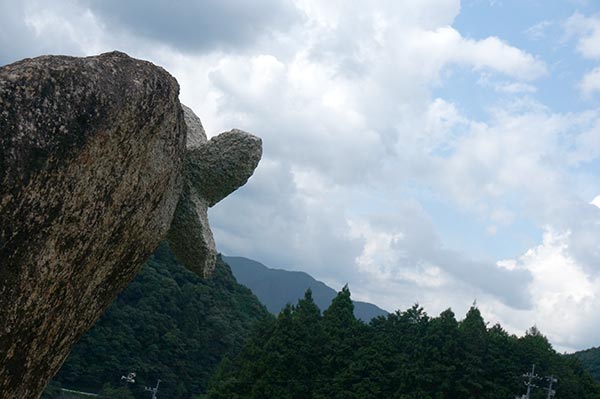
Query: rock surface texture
[[212, 170], [93, 168]]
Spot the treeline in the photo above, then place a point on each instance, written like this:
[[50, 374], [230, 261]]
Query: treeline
[[168, 324], [171, 325], [304, 354], [590, 360]]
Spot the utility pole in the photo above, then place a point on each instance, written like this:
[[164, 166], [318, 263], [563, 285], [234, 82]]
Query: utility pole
[[551, 381], [530, 377], [153, 390]]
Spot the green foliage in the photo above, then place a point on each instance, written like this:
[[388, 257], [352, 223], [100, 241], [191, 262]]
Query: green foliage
[[590, 360], [406, 355], [168, 324], [172, 325], [52, 391], [110, 392]]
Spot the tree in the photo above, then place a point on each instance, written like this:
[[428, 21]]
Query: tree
[[343, 336], [52, 391], [441, 351], [168, 324], [110, 392], [406, 355]]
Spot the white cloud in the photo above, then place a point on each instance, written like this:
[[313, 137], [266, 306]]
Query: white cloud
[[496, 54], [402, 248], [587, 32], [511, 153], [509, 87], [515, 87], [585, 144], [347, 122], [525, 156], [590, 82], [443, 46], [343, 101], [442, 120], [27, 31], [538, 31], [565, 297]]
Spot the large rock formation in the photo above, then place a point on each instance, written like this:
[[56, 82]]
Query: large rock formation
[[93, 166]]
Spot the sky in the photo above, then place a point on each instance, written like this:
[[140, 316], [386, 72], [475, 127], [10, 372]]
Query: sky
[[437, 152]]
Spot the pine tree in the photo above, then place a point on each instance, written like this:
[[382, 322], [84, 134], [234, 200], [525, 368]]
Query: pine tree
[[406, 355], [342, 338], [473, 333]]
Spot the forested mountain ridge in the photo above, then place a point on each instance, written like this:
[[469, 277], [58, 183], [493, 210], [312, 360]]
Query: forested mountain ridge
[[168, 324], [276, 288], [590, 359], [406, 355], [171, 324]]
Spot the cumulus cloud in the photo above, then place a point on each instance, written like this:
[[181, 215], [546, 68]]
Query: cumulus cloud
[[586, 30], [535, 161], [590, 82], [565, 295], [508, 154], [403, 248], [27, 31], [356, 142], [496, 54], [346, 121], [283, 219], [197, 25], [352, 123], [81, 27], [524, 155]]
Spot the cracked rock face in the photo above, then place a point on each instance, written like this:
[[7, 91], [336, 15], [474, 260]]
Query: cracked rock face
[[94, 172]]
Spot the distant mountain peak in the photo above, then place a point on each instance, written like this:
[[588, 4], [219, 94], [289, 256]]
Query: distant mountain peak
[[277, 287]]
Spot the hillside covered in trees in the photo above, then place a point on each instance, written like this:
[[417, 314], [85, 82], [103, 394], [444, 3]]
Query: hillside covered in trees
[[406, 355], [168, 324], [214, 339], [590, 360]]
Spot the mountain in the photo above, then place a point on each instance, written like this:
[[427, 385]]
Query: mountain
[[590, 359], [275, 287], [168, 324]]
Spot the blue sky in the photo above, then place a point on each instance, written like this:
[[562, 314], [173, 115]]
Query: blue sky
[[431, 151], [536, 27]]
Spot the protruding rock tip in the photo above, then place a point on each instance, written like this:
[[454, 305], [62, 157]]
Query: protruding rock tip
[[224, 164], [213, 169]]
